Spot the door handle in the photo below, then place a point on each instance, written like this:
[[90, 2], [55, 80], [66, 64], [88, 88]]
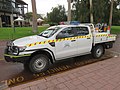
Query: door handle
[[73, 40], [88, 38]]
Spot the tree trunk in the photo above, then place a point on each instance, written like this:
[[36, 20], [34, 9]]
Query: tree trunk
[[111, 13], [91, 11], [35, 29], [69, 10]]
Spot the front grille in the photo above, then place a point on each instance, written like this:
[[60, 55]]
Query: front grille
[[12, 49]]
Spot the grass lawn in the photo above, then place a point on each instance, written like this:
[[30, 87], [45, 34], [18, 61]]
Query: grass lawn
[[8, 33], [115, 29]]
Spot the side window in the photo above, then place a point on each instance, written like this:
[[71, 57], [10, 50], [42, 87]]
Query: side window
[[66, 33], [82, 31]]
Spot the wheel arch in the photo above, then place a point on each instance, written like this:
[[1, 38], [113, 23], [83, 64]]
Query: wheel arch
[[102, 44], [45, 51]]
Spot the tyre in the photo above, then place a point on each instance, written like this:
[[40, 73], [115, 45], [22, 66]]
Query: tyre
[[98, 51], [39, 63]]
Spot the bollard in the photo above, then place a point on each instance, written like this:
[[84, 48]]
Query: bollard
[[3, 86]]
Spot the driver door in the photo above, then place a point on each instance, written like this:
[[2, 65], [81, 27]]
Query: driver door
[[66, 48]]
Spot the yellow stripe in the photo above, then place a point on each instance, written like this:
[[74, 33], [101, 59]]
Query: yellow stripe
[[69, 38], [51, 40], [101, 35], [37, 43], [42, 42], [55, 40], [59, 40], [79, 36], [32, 44], [27, 45], [65, 38]]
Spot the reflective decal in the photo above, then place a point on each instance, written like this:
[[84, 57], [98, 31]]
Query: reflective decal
[[71, 38]]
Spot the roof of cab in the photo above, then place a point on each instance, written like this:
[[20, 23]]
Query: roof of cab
[[63, 26]]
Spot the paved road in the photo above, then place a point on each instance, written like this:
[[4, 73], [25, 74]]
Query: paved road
[[116, 48], [11, 71], [2, 47], [8, 70], [104, 75]]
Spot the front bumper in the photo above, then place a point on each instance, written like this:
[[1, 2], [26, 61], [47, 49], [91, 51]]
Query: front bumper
[[11, 58], [16, 58]]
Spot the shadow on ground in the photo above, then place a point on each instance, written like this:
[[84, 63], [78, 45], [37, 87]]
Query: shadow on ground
[[15, 74]]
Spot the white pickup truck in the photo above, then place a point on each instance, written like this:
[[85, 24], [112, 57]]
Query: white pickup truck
[[57, 43]]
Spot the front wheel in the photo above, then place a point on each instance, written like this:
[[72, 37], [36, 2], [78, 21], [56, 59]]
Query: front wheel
[[39, 63], [98, 51]]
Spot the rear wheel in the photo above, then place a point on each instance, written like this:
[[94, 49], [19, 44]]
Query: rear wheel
[[39, 63], [98, 51]]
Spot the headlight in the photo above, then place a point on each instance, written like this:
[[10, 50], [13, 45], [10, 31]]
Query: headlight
[[22, 48]]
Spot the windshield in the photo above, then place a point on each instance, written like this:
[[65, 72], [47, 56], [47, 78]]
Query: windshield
[[49, 32]]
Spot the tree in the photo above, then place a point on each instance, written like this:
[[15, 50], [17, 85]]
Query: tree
[[116, 13], [81, 10], [57, 14], [29, 16], [101, 11]]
